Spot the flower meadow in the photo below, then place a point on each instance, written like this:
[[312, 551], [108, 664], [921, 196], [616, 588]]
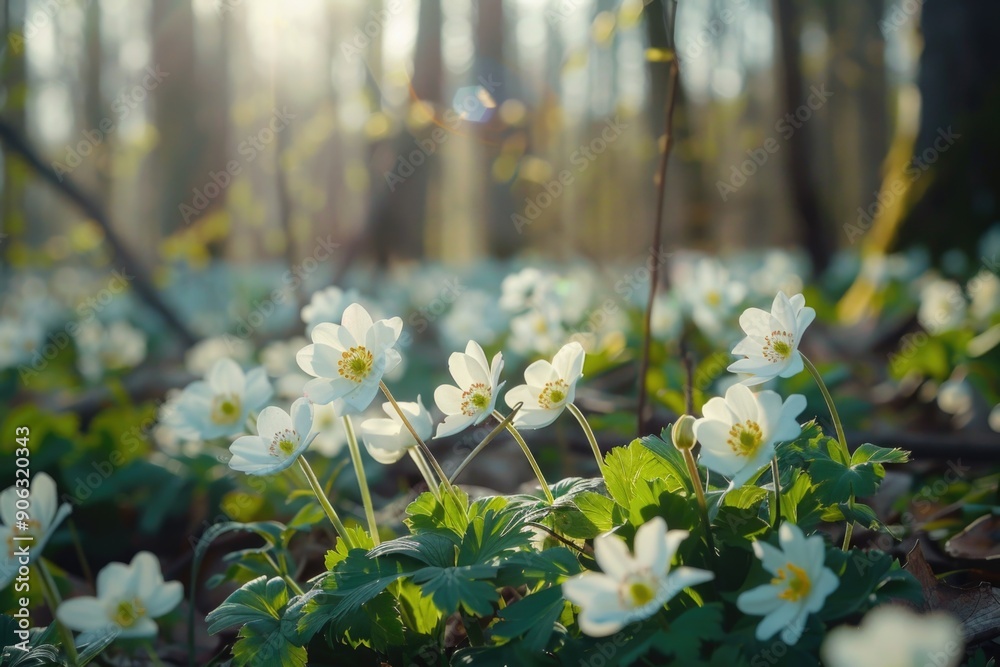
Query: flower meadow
[[354, 471]]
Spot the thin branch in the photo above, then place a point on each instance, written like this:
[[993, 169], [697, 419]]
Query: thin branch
[[658, 221], [140, 282]]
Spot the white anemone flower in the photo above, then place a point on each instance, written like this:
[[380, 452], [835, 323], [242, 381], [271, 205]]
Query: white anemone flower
[[388, 439], [219, 405], [128, 598], [44, 516], [549, 388], [331, 437], [914, 640], [771, 346], [281, 438], [473, 400], [800, 585], [712, 295], [631, 588], [202, 356], [942, 306], [327, 305], [738, 433], [349, 359]]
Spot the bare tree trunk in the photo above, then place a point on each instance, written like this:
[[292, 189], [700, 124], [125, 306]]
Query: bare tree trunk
[[814, 226]]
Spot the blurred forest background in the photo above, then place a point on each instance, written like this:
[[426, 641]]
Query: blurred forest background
[[246, 129]]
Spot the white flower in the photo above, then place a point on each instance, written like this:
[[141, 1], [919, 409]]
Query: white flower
[[128, 598], [388, 439], [539, 330], [278, 359], [203, 354], [738, 433], [550, 388], [329, 429], [893, 636], [712, 295], [984, 291], [473, 317], [781, 271], [525, 289], [19, 341], [472, 401], [44, 516], [994, 418], [800, 585], [349, 359], [771, 346], [631, 588], [219, 405], [955, 396], [118, 346], [942, 306], [667, 317], [327, 305], [281, 438]]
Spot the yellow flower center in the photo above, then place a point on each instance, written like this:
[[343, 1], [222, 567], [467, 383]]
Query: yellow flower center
[[553, 394], [778, 346], [745, 438], [713, 298], [797, 584], [226, 409], [638, 590], [283, 444], [475, 399], [127, 612], [356, 364]]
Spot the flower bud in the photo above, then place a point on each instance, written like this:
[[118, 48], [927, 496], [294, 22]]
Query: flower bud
[[682, 433]]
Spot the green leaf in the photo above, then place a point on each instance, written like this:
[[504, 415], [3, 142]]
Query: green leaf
[[837, 481], [869, 453], [529, 568], [490, 535], [450, 517], [257, 600], [264, 637], [359, 578], [340, 550], [636, 477], [429, 548], [459, 587], [675, 469], [534, 617], [603, 512]]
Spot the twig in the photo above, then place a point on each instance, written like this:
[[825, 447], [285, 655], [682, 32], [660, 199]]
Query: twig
[[661, 187], [140, 282]]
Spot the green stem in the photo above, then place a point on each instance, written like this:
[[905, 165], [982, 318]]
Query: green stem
[[775, 474], [359, 470], [423, 445], [324, 502], [425, 471], [837, 425], [585, 425], [841, 438], [531, 458], [152, 654], [700, 493], [281, 573], [51, 594], [500, 428]]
